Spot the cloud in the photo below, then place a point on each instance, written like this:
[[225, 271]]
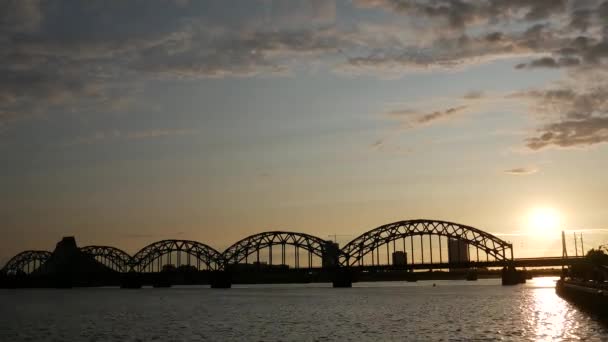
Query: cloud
[[471, 103], [451, 51], [461, 13], [473, 95], [237, 54], [561, 34], [20, 15], [521, 171], [83, 55], [378, 144], [573, 114], [581, 19], [439, 115], [568, 102], [91, 56], [571, 133], [411, 118]]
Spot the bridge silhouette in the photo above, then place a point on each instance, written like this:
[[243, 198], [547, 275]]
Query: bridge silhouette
[[400, 247]]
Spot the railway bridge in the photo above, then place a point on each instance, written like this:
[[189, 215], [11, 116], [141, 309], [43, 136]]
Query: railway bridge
[[291, 256]]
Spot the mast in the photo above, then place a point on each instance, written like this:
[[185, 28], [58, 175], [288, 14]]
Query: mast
[[564, 252]]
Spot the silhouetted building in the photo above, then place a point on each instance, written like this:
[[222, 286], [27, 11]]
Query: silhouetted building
[[458, 251], [331, 251], [399, 258]]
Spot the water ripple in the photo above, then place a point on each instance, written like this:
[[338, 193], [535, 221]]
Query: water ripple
[[451, 311]]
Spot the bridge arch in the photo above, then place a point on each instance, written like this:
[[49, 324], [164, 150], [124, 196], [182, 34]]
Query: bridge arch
[[26, 262], [354, 252], [203, 254], [114, 258], [241, 250]]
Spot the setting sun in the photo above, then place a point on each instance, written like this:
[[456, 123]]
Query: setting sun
[[543, 220]]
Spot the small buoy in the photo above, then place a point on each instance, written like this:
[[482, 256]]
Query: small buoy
[[434, 285]]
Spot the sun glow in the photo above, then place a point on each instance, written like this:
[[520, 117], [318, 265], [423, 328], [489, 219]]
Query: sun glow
[[543, 220]]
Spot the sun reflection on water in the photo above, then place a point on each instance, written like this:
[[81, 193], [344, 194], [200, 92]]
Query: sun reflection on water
[[548, 314], [543, 282]]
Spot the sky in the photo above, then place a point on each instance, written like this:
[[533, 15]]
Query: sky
[[127, 122]]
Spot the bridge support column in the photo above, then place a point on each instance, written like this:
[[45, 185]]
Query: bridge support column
[[342, 277], [131, 280], [221, 280], [511, 276], [162, 279]]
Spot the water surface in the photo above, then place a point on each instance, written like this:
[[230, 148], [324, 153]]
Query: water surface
[[392, 311]]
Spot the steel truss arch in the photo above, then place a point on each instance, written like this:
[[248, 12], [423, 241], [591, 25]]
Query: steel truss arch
[[19, 263], [356, 249], [200, 251], [240, 250], [119, 260]]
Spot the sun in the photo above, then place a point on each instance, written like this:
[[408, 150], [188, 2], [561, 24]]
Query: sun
[[543, 220]]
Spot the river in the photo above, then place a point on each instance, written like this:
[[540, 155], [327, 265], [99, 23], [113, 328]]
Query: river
[[391, 311]]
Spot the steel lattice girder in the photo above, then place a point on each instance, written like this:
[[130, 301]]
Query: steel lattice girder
[[208, 255], [369, 241], [19, 261], [245, 247], [349, 255], [120, 260]]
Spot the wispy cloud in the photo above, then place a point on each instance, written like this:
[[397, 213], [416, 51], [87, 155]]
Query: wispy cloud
[[521, 171], [384, 145], [110, 135], [474, 95], [412, 118]]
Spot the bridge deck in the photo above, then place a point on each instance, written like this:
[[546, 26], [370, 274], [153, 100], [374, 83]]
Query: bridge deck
[[519, 262]]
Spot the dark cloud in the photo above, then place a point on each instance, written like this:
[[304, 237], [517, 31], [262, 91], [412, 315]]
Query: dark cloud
[[64, 54], [550, 62], [19, 16], [237, 54], [462, 50], [545, 62], [444, 53], [584, 48], [581, 19], [460, 13], [552, 32], [494, 36]]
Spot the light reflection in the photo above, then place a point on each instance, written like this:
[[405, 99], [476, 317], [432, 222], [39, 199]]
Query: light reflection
[[543, 282], [548, 314]]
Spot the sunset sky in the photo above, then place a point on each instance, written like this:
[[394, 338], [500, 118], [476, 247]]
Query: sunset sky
[[128, 122]]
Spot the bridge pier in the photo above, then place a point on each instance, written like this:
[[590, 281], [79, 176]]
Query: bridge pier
[[131, 280], [511, 276], [342, 278], [221, 280], [162, 279]]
